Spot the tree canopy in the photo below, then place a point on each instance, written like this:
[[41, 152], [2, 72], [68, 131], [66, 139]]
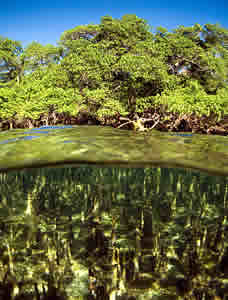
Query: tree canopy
[[115, 69]]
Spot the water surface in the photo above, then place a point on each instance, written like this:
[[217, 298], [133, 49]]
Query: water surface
[[124, 216], [104, 146]]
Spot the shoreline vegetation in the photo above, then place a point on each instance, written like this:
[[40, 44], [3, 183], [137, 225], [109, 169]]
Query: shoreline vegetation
[[118, 73]]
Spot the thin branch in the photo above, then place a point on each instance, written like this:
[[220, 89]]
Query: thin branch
[[155, 124], [125, 124]]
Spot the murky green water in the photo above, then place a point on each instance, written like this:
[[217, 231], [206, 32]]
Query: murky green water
[[105, 146], [119, 220]]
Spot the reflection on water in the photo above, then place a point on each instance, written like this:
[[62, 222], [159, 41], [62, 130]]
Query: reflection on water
[[113, 233], [98, 145], [29, 135]]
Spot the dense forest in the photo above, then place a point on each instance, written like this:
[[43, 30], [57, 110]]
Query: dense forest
[[121, 74]]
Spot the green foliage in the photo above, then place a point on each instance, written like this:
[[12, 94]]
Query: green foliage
[[10, 64], [85, 32], [38, 55], [116, 67], [193, 99], [111, 108], [144, 103], [8, 103]]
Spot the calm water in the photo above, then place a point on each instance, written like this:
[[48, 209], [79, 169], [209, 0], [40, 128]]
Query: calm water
[[124, 215]]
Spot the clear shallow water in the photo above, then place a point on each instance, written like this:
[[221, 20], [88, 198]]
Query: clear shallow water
[[113, 232], [52, 145]]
